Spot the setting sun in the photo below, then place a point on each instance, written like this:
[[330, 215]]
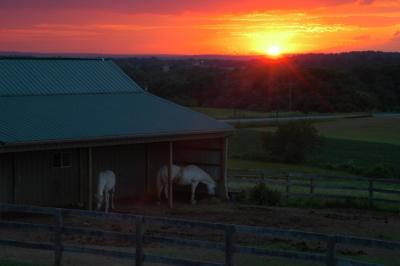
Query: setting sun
[[274, 51]]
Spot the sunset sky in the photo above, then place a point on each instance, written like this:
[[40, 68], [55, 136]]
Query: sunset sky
[[199, 27]]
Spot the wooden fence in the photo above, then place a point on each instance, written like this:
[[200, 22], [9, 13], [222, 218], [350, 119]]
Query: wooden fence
[[58, 229], [312, 182]]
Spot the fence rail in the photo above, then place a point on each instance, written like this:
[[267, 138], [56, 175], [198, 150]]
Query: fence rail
[[289, 181], [58, 229]]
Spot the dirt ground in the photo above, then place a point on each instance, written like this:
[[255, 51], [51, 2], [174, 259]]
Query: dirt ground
[[357, 222], [362, 223]]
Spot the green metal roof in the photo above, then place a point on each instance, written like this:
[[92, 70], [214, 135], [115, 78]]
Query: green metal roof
[[77, 117], [33, 76], [62, 114]]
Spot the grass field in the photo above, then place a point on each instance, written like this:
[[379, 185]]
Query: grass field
[[369, 129], [362, 142], [224, 113], [359, 197]]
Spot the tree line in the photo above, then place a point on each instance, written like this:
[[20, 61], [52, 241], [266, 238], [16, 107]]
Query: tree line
[[346, 82]]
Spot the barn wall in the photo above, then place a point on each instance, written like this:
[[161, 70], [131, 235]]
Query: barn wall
[[128, 162], [6, 178], [157, 157], [205, 153], [84, 177], [39, 183]]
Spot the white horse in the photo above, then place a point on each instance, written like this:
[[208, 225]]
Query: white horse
[[188, 175], [105, 189]]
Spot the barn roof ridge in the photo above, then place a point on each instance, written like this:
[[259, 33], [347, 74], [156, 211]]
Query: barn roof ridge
[[62, 76]]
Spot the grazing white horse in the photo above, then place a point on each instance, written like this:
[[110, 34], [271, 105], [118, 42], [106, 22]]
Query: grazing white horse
[[105, 190], [188, 175]]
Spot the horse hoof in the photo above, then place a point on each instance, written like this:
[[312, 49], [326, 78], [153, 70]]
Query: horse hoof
[[194, 202]]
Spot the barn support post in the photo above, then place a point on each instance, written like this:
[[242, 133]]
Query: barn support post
[[223, 181], [147, 181], [170, 161], [14, 178], [82, 180], [90, 176]]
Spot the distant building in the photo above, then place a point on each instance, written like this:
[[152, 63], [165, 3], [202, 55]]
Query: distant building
[[64, 120]]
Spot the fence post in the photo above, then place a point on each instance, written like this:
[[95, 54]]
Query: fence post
[[58, 248], [287, 186], [370, 193], [331, 252], [139, 240], [229, 245]]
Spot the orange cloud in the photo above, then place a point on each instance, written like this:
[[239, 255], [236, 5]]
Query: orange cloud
[[193, 27]]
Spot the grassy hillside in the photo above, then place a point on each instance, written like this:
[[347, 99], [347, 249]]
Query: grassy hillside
[[361, 142], [370, 129]]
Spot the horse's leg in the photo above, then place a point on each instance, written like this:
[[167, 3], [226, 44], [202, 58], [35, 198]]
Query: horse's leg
[[194, 186], [107, 197], [166, 190], [160, 189], [112, 198]]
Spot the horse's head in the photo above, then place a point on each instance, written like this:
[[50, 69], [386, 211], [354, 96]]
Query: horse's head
[[98, 199], [211, 187]]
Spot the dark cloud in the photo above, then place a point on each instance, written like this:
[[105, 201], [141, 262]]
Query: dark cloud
[[175, 6]]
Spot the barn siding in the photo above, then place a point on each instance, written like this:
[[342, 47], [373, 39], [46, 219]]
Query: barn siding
[[6, 178], [39, 183], [158, 156], [83, 177], [204, 153], [128, 162]]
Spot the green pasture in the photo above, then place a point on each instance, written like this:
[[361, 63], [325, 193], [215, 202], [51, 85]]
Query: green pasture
[[225, 113], [284, 167], [359, 197], [362, 142], [369, 129]]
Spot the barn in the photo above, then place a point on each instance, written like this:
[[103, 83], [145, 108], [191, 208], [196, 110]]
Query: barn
[[62, 121]]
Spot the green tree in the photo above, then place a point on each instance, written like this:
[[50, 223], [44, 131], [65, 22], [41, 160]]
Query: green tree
[[293, 142]]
